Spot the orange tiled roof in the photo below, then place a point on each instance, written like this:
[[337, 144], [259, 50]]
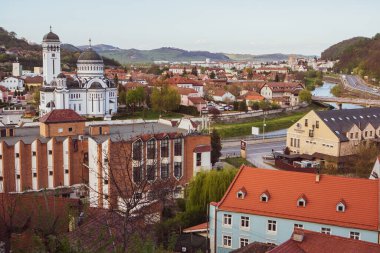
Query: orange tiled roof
[[285, 188], [186, 91], [61, 116], [197, 228], [197, 100], [314, 242]]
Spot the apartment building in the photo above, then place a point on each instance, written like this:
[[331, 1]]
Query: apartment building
[[62, 151], [267, 205], [333, 135]]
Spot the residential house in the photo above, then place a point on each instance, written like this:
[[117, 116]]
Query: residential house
[[285, 94], [3, 94], [306, 241], [223, 96], [251, 97], [265, 206], [267, 70], [33, 82], [191, 97], [13, 83], [331, 136]]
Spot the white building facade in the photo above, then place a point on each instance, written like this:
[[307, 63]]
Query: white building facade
[[89, 92]]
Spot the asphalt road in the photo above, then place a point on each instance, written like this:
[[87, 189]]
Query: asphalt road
[[255, 151], [358, 84]]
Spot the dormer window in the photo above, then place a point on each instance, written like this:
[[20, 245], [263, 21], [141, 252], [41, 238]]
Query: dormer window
[[264, 197], [241, 193], [341, 207], [301, 201]]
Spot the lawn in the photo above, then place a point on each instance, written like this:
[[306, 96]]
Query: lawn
[[281, 121], [237, 161], [148, 115]]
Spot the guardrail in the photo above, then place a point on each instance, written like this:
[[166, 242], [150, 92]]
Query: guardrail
[[254, 138]]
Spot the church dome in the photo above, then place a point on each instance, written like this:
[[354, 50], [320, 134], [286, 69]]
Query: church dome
[[96, 85], [90, 55], [51, 37]]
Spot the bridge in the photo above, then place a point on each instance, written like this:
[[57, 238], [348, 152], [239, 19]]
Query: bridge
[[340, 101]]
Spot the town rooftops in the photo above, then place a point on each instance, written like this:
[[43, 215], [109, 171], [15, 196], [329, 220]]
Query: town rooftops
[[341, 121], [283, 86], [197, 100], [305, 241], [323, 194], [61, 116]]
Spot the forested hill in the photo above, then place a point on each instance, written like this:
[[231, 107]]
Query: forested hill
[[359, 55], [30, 55]]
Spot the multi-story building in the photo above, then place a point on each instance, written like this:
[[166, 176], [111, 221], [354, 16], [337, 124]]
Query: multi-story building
[[13, 83], [331, 136], [283, 93], [63, 150], [266, 205]]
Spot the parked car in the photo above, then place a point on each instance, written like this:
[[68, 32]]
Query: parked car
[[220, 107]]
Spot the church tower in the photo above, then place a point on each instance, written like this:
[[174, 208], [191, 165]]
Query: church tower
[[51, 57]]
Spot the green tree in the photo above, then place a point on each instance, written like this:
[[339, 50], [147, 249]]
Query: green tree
[[212, 75], [122, 97], [194, 71], [36, 97], [165, 99], [305, 96], [216, 146], [243, 106], [361, 163], [265, 105], [135, 98], [249, 73]]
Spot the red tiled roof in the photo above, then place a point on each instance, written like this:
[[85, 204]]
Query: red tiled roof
[[314, 242], [185, 91], [183, 80], [2, 88], [283, 86], [197, 100], [34, 79], [202, 148], [285, 187], [197, 228], [61, 116]]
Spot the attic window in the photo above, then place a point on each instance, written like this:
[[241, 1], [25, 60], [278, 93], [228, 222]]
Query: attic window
[[354, 117], [325, 119], [264, 197], [361, 116], [332, 119], [340, 118], [241, 193], [341, 207], [301, 202], [348, 118], [374, 116]]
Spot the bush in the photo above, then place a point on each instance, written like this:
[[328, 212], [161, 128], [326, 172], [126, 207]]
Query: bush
[[189, 110]]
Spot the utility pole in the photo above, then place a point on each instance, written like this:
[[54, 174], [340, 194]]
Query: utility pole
[[264, 125]]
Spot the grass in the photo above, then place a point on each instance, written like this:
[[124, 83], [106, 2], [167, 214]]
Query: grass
[[238, 161], [277, 122], [148, 115]]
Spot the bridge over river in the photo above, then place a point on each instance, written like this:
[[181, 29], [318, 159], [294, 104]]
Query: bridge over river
[[340, 101]]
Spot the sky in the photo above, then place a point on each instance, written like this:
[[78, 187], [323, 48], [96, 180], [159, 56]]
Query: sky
[[230, 26]]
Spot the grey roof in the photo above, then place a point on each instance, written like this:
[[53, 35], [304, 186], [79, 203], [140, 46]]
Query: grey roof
[[341, 121], [61, 75], [51, 37], [89, 55], [96, 85]]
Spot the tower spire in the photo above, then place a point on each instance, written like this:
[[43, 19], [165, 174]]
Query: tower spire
[[50, 28], [89, 42]]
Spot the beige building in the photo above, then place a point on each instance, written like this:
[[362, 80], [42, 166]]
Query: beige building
[[285, 94], [333, 135]]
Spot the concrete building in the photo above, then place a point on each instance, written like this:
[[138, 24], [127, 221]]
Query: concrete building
[[331, 136], [266, 205], [63, 151]]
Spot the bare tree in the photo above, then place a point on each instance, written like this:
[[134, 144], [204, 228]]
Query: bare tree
[[134, 185]]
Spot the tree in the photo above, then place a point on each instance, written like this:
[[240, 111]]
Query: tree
[[135, 98], [36, 97], [305, 96], [265, 105], [249, 73], [236, 105], [216, 146], [194, 71], [122, 97], [212, 75], [243, 106], [255, 105], [361, 163], [214, 112], [165, 98]]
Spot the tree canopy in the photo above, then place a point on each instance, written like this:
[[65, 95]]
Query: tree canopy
[[165, 98], [305, 96]]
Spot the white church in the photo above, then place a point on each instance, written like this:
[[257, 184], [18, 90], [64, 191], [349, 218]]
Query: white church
[[89, 92]]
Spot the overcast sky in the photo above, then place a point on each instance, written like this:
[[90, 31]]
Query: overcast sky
[[231, 26]]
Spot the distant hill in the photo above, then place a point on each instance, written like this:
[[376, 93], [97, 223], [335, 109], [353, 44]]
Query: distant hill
[[70, 48], [359, 55]]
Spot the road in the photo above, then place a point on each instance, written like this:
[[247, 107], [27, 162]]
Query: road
[[357, 83], [255, 151]]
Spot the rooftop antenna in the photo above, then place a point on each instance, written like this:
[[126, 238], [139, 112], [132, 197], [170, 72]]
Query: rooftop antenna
[[50, 28]]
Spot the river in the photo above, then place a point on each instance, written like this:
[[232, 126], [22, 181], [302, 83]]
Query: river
[[325, 91]]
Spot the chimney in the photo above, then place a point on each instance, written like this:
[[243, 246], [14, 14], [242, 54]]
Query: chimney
[[317, 176], [298, 235]]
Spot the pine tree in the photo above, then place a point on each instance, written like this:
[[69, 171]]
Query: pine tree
[[216, 146]]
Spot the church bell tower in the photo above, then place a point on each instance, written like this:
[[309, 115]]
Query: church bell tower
[[51, 57]]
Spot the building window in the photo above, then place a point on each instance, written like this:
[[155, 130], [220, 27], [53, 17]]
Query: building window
[[355, 235], [244, 222], [317, 124], [165, 148], [178, 147], [66, 171], [60, 130], [17, 155], [178, 170], [18, 176], [70, 129], [34, 153], [340, 207], [240, 194], [370, 133], [1, 157], [351, 135], [365, 133], [301, 202], [272, 226], [199, 159], [137, 150], [50, 173], [137, 174], [298, 225], [151, 149], [326, 231], [264, 197], [311, 133], [243, 242], [227, 241], [34, 174], [291, 142], [50, 152], [306, 123], [105, 181], [227, 220], [164, 170], [151, 172], [356, 135]]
